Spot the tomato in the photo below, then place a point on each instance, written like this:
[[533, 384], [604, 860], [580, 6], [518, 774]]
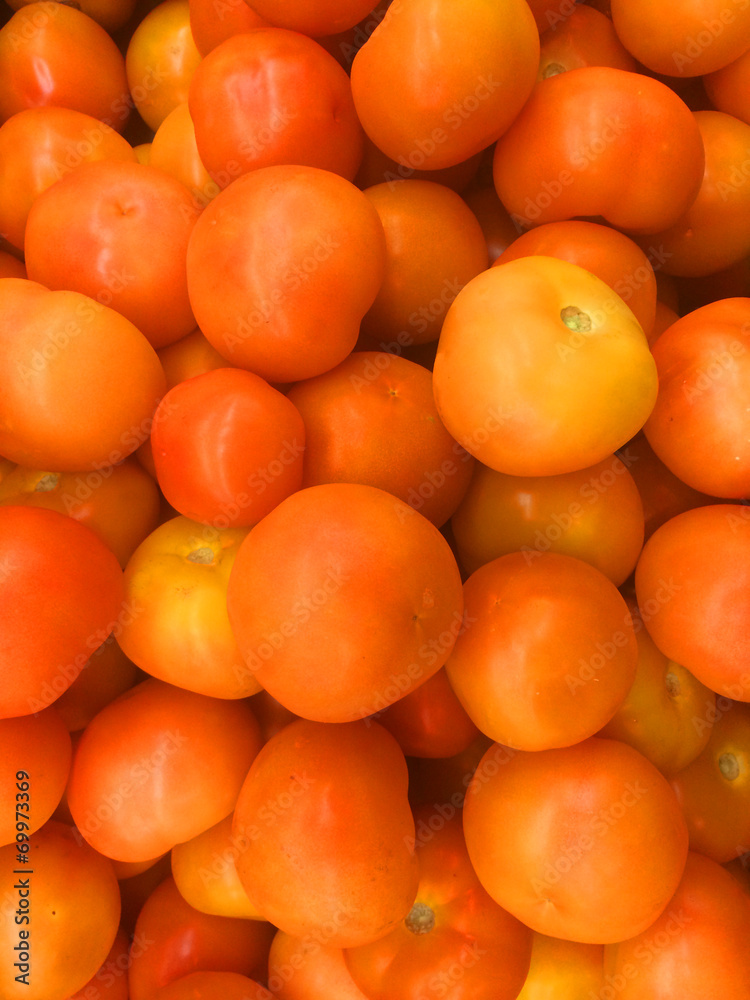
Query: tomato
[[585, 38], [177, 579], [134, 797], [173, 149], [208, 30], [664, 318], [172, 940], [694, 949], [598, 141], [497, 226], [714, 788], [547, 653], [541, 369], [378, 168], [161, 61], [373, 603], [347, 783], [305, 969], [314, 17], [104, 214], [455, 938], [110, 981], [40, 743], [67, 892], [205, 873], [563, 970], [189, 356], [62, 593], [55, 55], [607, 253], [227, 447], [595, 514], [59, 350], [106, 674], [135, 891], [120, 503], [110, 14], [435, 83], [434, 246], [281, 269], [39, 146], [271, 96], [660, 714], [214, 986], [372, 420], [727, 87], [586, 843], [688, 38], [698, 426], [691, 582]]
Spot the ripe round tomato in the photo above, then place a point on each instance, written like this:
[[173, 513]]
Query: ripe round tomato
[[372, 604], [692, 582], [110, 981], [214, 986], [106, 674], [598, 141], [347, 783], [547, 653], [372, 420], [282, 267], [177, 578], [586, 37], [61, 596], [305, 969], [563, 970], [541, 369], [208, 30], [585, 843], [436, 83], [173, 150]]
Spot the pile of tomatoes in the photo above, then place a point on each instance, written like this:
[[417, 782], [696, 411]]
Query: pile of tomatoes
[[374, 464]]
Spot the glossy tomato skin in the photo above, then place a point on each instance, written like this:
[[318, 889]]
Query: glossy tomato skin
[[227, 447], [72, 893], [208, 31], [373, 604], [173, 150], [38, 146], [598, 141], [695, 948], [692, 582], [53, 54], [180, 776], [541, 369], [58, 348], [282, 266], [698, 426], [357, 877], [62, 595], [452, 924], [272, 96], [608, 854], [394, 78], [104, 214]]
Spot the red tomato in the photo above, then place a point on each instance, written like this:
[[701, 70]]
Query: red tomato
[[586, 843], [271, 96], [158, 766], [53, 54], [435, 83], [104, 214], [373, 420], [61, 596], [227, 447], [106, 674], [696, 948], [547, 653], [598, 141], [455, 939], [281, 269], [373, 603], [699, 425], [693, 584], [356, 877], [214, 986]]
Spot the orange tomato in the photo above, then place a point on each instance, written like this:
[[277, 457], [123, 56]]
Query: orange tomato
[[105, 675], [435, 83], [547, 653], [586, 843], [110, 14], [378, 168], [177, 579], [214, 986], [727, 87], [53, 54], [541, 369], [373, 603], [161, 61], [563, 970], [173, 150], [282, 267], [110, 981], [356, 878], [585, 38], [305, 969], [372, 420], [208, 30]]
